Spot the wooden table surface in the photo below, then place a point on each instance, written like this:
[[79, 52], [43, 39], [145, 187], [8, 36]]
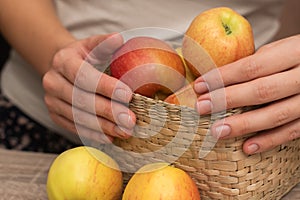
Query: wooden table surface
[[23, 176]]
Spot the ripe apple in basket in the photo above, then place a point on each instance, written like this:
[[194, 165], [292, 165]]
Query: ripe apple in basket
[[160, 181], [84, 173], [224, 35], [149, 66]]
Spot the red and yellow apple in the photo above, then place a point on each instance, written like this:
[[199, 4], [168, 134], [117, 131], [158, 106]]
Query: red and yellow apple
[[84, 173], [215, 37], [224, 34], [149, 66], [160, 181]]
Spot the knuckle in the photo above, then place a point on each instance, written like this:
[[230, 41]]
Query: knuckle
[[272, 143], [252, 69], [80, 78], [47, 82], [79, 117], [293, 133], [264, 92], [52, 105], [63, 63], [245, 125], [80, 99], [48, 101], [281, 117], [230, 103], [57, 59], [65, 92]]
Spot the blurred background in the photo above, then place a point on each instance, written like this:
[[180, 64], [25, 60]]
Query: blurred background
[[290, 26], [290, 19]]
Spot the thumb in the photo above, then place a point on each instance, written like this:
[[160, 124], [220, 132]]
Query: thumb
[[102, 46]]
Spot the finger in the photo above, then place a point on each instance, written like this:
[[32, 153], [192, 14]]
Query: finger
[[270, 139], [84, 119], [103, 107], [98, 124], [100, 50], [85, 76], [270, 59], [70, 63], [258, 91], [84, 132], [89, 102], [268, 117]]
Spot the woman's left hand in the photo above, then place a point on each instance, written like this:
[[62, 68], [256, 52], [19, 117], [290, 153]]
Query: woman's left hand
[[270, 78]]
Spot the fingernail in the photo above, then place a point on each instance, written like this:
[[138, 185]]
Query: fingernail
[[125, 120], [200, 87], [204, 106], [221, 131], [122, 95], [252, 148]]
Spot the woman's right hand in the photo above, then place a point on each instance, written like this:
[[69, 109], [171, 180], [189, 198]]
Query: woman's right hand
[[85, 100]]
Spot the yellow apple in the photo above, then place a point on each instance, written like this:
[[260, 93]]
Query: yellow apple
[[160, 181], [84, 173], [224, 34], [188, 74]]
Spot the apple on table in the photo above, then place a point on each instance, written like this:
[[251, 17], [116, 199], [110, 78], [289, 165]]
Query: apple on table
[[160, 181], [84, 173]]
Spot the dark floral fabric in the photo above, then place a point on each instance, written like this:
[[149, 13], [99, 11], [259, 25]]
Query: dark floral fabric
[[20, 132]]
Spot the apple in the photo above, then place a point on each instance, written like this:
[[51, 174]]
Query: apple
[[190, 77], [149, 66], [84, 173], [185, 96], [160, 181], [215, 37], [223, 33]]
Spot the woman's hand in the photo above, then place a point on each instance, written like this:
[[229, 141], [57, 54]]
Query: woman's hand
[[270, 77], [85, 100]]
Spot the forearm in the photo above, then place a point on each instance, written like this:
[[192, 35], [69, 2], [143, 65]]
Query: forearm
[[34, 30]]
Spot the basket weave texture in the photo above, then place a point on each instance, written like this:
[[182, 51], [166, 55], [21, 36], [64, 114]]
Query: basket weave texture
[[221, 170]]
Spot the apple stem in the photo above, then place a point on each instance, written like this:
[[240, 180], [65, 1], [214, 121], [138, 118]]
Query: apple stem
[[227, 29]]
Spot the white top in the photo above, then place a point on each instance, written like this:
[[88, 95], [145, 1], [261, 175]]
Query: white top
[[83, 18]]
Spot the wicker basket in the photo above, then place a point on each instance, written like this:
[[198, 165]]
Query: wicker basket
[[221, 170], [178, 135]]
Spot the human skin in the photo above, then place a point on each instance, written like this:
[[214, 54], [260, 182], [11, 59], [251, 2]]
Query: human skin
[[269, 78], [34, 30]]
